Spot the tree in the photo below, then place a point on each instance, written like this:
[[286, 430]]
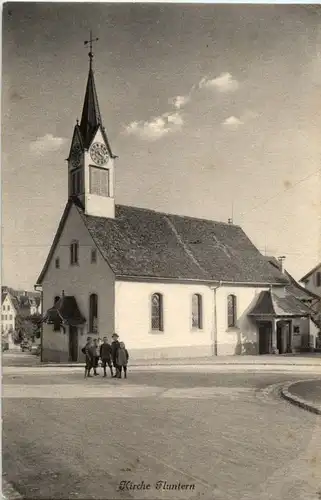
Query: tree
[[25, 328]]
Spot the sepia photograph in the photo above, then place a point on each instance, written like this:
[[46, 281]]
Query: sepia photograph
[[161, 235]]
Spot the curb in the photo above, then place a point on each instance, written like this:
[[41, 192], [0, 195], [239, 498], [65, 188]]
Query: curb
[[297, 401], [8, 492]]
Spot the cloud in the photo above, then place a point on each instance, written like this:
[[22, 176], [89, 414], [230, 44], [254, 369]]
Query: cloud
[[223, 83], [46, 144], [232, 122], [180, 101], [172, 121], [157, 127]]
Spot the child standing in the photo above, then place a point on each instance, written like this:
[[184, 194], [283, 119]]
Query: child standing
[[114, 351], [105, 355], [122, 359], [88, 351]]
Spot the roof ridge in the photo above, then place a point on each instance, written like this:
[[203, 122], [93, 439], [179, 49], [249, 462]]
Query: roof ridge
[[169, 214]]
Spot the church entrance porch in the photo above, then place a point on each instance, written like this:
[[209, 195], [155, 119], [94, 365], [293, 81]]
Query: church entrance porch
[[275, 336], [274, 313]]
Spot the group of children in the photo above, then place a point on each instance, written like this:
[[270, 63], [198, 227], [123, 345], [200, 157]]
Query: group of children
[[114, 355]]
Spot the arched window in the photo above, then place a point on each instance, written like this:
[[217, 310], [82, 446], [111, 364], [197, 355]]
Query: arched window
[[74, 251], [157, 312], [231, 311], [93, 313], [197, 311], [93, 255]]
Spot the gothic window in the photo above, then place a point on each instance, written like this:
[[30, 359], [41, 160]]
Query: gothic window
[[157, 312], [99, 181], [197, 311], [76, 182], [231, 311], [74, 250], [93, 313], [57, 263], [93, 255], [318, 279]]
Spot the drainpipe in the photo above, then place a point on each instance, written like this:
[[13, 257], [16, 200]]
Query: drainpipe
[[214, 328], [38, 288]]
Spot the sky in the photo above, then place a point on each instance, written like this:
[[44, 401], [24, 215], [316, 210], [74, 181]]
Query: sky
[[213, 111]]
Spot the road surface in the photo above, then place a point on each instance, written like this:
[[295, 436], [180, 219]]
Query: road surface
[[210, 436]]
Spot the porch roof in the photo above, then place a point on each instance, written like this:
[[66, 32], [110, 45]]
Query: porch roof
[[66, 310], [279, 303]]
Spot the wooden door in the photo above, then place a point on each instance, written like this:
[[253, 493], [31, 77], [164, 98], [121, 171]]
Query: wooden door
[[73, 343], [265, 337]]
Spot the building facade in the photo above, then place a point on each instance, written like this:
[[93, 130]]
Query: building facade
[[169, 285]]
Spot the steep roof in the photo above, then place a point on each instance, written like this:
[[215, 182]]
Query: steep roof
[[91, 117], [142, 243], [278, 304], [67, 310]]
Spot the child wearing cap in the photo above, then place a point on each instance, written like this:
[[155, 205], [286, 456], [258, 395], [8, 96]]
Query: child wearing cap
[[114, 349]]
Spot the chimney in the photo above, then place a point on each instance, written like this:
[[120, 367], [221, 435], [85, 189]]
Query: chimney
[[229, 221], [25, 293], [281, 259]]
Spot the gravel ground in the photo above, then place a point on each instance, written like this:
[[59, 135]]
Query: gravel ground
[[66, 437]]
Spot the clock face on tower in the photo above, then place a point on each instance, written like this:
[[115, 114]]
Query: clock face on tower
[[75, 156], [99, 153]]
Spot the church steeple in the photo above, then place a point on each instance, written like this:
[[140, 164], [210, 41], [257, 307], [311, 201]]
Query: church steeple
[[91, 117], [91, 161]]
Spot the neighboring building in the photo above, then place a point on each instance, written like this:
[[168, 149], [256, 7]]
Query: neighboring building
[[312, 280], [169, 285], [9, 312], [304, 329]]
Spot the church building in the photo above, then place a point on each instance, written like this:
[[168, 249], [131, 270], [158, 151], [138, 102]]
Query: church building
[[171, 286]]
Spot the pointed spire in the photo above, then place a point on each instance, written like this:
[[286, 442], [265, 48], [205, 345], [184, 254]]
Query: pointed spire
[[91, 117]]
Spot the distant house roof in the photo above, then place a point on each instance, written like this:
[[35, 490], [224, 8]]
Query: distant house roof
[[13, 299], [142, 243], [293, 286], [306, 276], [279, 304]]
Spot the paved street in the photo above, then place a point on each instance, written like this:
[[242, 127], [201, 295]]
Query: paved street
[[220, 435]]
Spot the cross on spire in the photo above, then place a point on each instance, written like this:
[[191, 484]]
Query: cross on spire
[[90, 43]]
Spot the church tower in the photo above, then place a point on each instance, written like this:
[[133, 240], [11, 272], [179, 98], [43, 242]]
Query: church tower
[[91, 162]]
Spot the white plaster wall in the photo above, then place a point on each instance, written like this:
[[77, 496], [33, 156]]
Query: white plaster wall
[[313, 332], [304, 326], [99, 205], [133, 319], [78, 280], [242, 339]]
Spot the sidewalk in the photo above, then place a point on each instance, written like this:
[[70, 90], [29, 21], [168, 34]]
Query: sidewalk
[[305, 393], [264, 360]]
